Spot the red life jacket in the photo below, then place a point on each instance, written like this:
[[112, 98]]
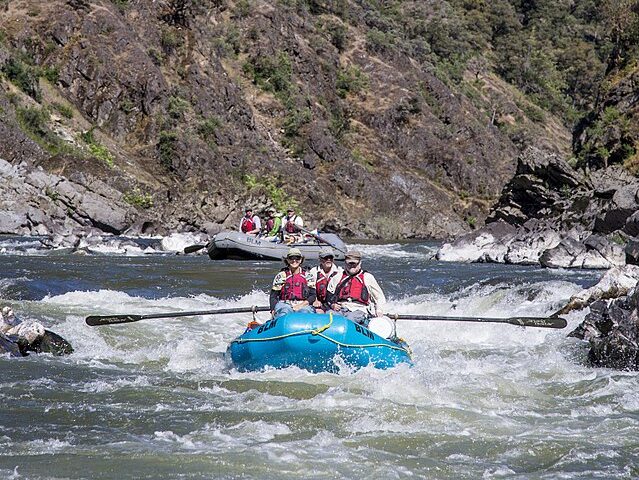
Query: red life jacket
[[321, 284], [247, 225], [295, 286], [353, 289], [269, 224], [290, 226]]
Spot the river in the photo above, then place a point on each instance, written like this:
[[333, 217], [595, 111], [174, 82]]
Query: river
[[156, 399]]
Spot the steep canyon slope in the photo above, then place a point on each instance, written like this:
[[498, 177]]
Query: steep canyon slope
[[150, 116]]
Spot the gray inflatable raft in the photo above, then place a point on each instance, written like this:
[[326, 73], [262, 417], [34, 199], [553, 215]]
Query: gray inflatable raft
[[236, 245]]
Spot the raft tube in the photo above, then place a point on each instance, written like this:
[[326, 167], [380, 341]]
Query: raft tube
[[314, 342]]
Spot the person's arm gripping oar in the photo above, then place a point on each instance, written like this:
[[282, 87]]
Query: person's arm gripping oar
[[541, 322], [97, 320]]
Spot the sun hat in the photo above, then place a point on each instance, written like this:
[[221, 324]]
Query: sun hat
[[293, 252], [354, 254], [326, 252]]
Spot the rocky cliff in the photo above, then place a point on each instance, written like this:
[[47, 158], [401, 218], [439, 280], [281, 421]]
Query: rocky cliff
[[150, 116]]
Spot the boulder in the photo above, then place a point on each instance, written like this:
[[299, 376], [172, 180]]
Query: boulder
[[612, 330], [616, 282], [490, 244]]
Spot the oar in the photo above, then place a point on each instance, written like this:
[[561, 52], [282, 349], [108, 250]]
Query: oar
[[194, 248], [320, 239], [541, 322], [95, 320]]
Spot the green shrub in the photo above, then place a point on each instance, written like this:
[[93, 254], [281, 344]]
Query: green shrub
[[350, 80], [337, 35], [378, 41], [277, 195], [96, 149], [339, 123], [34, 121], [64, 110], [295, 119], [138, 198], [242, 9], [207, 127], [52, 74], [23, 77], [169, 40], [156, 57], [177, 107], [167, 148], [271, 73]]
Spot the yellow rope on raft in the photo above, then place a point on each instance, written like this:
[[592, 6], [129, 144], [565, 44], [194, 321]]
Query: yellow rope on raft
[[318, 331]]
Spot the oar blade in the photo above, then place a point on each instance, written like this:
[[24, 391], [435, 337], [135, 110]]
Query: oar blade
[[540, 322], [193, 248], [95, 320]]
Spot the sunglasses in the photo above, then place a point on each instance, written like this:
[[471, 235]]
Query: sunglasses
[[352, 264], [327, 258], [294, 258]]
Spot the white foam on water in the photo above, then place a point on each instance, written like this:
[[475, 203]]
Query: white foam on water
[[100, 386], [49, 446], [176, 242], [395, 250]]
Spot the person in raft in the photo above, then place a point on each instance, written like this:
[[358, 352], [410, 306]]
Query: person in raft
[[356, 294], [250, 224], [321, 275], [291, 292], [292, 223], [273, 223]]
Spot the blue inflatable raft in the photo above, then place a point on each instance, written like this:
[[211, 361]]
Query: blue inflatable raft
[[313, 341]]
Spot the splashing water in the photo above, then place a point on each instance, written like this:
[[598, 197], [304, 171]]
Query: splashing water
[[157, 399]]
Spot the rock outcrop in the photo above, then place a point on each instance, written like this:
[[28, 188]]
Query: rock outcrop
[[551, 215], [612, 330], [34, 202]]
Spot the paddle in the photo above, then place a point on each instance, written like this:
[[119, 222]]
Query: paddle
[[96, 320], [541, 322], [320, 239]]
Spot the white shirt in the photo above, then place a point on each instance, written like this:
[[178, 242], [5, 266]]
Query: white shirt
[[377, 297], [296, 219]]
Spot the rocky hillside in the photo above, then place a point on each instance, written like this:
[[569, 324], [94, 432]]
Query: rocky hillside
[[580, 210], [379, 119]]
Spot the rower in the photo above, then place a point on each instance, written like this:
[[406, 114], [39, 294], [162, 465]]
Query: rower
[[356, 294], [291, 291]]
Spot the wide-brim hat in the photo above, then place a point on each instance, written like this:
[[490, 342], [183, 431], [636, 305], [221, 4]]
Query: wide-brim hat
[[292, 252]]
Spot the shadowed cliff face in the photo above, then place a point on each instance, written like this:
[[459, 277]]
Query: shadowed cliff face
[[191, 110]]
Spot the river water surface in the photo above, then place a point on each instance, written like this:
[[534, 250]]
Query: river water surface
[[156, 399]]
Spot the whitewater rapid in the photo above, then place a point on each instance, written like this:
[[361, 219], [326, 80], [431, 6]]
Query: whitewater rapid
[[157, 398]]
